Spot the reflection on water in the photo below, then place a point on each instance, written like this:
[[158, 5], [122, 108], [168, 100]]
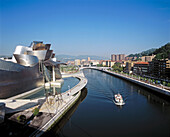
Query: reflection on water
[[153, 98], [56, 130], [144, 114], [71, 82]]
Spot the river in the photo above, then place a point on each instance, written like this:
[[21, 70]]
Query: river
[[143, 115]]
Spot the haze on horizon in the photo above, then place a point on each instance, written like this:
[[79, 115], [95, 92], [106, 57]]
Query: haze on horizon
[[85, 27]]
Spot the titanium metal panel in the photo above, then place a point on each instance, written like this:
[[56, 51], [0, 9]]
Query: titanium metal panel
[[18, 79], [48, 54], [21, 50], [39, 53], [26, 60], [10, 66], [47, 46]]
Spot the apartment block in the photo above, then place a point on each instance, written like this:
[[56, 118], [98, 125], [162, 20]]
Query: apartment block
[[160, 68], [77, 62], [141, 68], [147, 58], [117, 57]]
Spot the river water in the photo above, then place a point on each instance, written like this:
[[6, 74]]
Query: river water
[[143, 115]]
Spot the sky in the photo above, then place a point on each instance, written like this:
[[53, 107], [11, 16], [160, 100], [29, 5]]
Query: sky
[[85, 27]]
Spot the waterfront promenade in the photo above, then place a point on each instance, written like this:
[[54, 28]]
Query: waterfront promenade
[[153, 87], [51, 108], [78, 87]]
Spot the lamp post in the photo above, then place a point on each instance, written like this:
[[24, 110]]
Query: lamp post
[[53, 73]]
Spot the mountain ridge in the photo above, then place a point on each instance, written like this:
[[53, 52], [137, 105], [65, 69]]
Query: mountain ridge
[[65, 58], [162, 52], [143, 53]]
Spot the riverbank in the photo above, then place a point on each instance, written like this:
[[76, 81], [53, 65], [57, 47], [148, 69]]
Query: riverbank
[[97, 114], [159, 90]]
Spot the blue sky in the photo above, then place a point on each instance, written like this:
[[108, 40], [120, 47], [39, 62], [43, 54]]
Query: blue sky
[[85, 27]]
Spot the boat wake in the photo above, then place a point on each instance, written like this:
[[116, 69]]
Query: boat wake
[[107, 87]]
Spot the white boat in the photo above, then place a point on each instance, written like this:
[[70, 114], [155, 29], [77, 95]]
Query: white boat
[[118, 100]]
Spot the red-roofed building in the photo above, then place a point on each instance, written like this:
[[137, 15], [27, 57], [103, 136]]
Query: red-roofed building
[[141, 68], [142, 63]]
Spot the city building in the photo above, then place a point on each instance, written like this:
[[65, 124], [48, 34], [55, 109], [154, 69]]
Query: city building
[[101, 61], [70, 63], [117, 57], [83, 60], [112, 63], [109, 63], [113, 58], [104, 63], [160, 69], [86, 64], [88, 59], [135, 58], [121, 56], [147, 58], [94, 62], [141, 68], [77, 62], [128, 67], [128, 58]]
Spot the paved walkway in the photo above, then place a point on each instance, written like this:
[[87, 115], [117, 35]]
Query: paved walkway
[[14, 105], [52, 109], [78, 87]]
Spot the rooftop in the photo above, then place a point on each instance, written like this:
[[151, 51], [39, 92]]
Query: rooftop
[[141, 63]]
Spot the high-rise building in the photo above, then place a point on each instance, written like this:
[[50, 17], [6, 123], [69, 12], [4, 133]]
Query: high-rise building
[[117, 57], [88, 58], [113, 57], [121, 56]]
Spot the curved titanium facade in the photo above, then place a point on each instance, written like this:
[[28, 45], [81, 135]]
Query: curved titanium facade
[[26, 70], [39, 53], [16, 79], [26, 60], [21, 50]]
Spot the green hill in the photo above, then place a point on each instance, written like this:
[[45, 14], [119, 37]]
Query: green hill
[[143, 53], [163, 52]]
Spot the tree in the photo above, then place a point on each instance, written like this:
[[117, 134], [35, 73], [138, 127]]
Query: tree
[[117, 67], [99, 65]]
